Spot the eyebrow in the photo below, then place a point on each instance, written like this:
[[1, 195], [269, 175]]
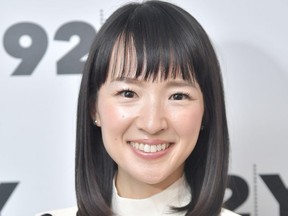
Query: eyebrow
[[170, 83], [181, 83], [126, 79]]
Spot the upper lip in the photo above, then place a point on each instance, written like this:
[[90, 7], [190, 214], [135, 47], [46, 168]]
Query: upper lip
[[150, 141]]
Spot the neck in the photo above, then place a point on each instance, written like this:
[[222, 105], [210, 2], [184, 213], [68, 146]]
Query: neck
[[129, 187]]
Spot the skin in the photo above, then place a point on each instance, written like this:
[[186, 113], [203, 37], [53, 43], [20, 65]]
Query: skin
[[151, 112], [132, 110]]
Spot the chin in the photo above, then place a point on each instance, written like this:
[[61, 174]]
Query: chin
[[160, 180]]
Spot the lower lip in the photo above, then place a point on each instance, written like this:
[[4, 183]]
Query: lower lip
[[151, 155]]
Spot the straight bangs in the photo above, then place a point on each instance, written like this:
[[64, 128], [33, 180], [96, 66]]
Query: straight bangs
[[154, 44]]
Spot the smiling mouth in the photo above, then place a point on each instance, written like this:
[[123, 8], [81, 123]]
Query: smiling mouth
[[148, 148]]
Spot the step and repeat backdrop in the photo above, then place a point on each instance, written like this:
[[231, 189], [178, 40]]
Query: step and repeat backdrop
[[43, 48]]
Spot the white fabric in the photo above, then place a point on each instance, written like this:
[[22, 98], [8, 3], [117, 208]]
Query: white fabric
[[72, 212], [176, 195], [61, 212]]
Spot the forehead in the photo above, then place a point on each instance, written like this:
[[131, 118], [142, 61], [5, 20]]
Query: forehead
[[127, 61]]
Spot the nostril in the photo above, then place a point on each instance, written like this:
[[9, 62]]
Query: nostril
[[152, 126], [152, 116]]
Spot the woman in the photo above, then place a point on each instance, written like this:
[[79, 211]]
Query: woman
[[152, 135]]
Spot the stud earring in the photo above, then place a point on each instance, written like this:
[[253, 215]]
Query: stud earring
[[95, 122]]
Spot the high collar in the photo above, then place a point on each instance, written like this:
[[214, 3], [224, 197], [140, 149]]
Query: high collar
[[176, 195]]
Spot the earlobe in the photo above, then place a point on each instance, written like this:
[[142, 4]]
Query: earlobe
[[94, 114], [96, 121]]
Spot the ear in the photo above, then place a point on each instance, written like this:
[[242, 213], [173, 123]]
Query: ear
[[97, 119], [94, 114]]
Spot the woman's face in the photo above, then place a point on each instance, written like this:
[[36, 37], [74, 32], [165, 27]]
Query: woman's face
[[149, 128]]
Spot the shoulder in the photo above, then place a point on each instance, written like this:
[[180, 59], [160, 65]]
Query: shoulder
[[61, 212], [73, 211], [226, 212]]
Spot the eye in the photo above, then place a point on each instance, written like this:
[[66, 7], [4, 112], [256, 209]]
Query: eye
[[180, 96], [127, 93]]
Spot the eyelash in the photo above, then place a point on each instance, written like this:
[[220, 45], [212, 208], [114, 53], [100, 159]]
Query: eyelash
[[123, 91], [184, 95]]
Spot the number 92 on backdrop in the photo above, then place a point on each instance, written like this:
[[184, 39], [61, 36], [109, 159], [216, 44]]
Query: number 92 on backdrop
[[29, 42]]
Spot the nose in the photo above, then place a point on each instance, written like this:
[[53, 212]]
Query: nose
[[152, 117]]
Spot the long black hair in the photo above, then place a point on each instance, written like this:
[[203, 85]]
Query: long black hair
[[166, 39]]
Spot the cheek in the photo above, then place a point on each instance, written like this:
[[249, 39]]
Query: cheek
[[113, 125], [188, 122], [115, 119], [112, 117]]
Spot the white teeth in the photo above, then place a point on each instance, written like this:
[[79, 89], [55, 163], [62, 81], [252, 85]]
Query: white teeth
[[149, 148], [153, 148]]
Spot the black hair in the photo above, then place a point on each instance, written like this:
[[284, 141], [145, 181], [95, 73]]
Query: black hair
[[168, 40]]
